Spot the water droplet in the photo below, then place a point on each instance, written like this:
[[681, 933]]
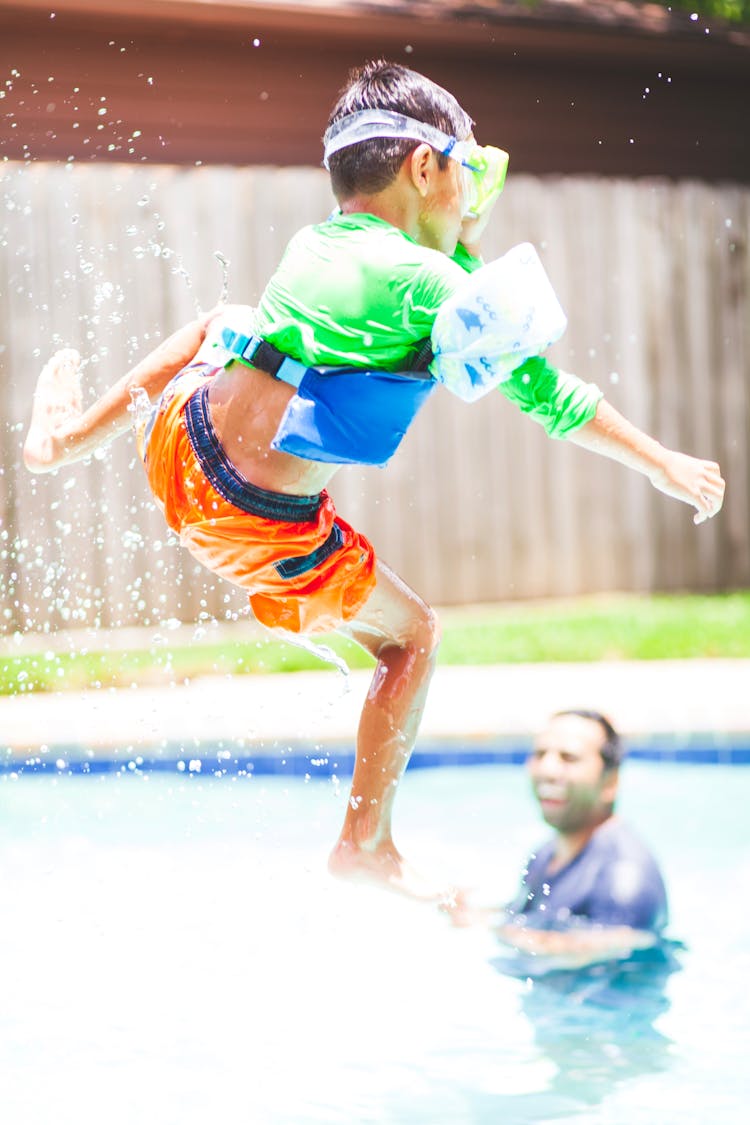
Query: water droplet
[[224, 263]]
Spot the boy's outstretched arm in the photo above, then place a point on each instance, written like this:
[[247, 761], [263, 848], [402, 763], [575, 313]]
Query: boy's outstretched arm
[[61, 432], [569, 408], [689, 479]]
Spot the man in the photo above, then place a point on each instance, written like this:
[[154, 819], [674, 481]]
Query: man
[[593, 892], [585, 928]]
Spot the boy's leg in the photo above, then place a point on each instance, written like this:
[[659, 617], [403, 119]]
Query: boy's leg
[[402, 632]]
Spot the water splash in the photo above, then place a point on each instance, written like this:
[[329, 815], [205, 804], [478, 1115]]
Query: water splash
[[321, 651], [180, 270], [225, 264], [140, 407]]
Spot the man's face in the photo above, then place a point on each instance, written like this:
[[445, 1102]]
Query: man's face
[[568, 776]]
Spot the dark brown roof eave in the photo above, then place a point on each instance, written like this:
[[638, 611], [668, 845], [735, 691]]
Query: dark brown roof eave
[[456, 26]]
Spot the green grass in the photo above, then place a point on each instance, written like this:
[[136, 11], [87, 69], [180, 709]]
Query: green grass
[[607, 628], [589, 629]]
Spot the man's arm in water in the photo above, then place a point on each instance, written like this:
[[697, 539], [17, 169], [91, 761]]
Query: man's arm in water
[[556, 949], [61, 432], [575, 948]]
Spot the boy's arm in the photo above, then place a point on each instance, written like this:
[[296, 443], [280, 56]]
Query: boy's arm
[[689, 479], [569, 408], [61, 432]]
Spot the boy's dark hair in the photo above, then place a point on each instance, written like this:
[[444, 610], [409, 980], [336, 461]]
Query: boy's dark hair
[[369, 166], [612, 750]]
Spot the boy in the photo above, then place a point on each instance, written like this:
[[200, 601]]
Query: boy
[[239, 459]]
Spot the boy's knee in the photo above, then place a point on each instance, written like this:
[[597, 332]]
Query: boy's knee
[[427, 636]]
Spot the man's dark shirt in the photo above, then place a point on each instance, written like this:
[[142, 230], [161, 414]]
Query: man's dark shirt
[[613, 881]]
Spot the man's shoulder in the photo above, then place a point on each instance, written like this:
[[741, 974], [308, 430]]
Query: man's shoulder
[[616, 839], [617, 849], [627, 867], [538, 861], [613, 840]]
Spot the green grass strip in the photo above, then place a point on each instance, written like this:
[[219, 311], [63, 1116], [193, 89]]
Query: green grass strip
[[589, 629]]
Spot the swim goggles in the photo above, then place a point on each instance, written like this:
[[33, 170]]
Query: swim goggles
[[484, 168]]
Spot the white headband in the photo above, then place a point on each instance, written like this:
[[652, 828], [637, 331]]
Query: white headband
[[369, 123]]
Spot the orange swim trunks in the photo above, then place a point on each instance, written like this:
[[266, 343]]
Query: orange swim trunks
[[305, 569]]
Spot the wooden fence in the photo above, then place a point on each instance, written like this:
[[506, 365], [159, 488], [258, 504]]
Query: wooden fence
[[478, 505]]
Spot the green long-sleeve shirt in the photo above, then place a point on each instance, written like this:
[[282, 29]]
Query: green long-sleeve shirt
[[357, 291]]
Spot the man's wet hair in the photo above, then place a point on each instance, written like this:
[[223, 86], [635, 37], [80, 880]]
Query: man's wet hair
[[612, 750], [371, 165]]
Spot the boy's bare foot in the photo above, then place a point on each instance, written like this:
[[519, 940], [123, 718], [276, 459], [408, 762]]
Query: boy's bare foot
[[57, 400], [383, 867]]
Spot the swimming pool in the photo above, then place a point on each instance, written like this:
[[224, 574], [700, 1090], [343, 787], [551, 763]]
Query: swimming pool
[[174, 952]]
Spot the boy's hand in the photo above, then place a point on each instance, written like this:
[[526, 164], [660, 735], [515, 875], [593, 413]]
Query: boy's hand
[[691, 480], [472, 229], [490, 185]]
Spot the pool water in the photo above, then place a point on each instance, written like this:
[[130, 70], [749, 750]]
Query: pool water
[[174, 953]]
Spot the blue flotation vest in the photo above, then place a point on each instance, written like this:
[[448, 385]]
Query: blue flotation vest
[[340, 415]]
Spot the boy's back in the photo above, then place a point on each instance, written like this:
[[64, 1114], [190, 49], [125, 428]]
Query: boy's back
[[352, 291], [355, 291]]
